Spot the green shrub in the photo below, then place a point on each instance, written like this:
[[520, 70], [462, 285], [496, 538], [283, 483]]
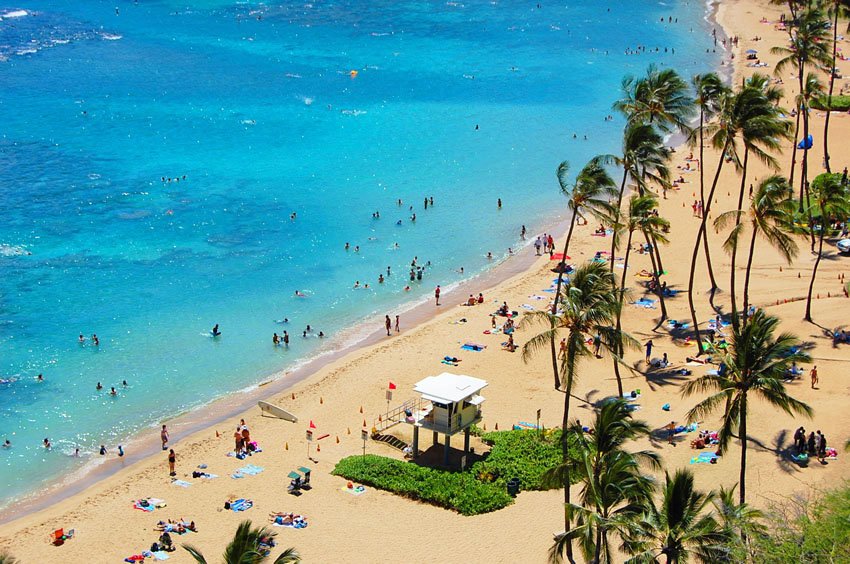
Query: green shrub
[[523, 454], [839, 103], [454, 490], [813, 530]]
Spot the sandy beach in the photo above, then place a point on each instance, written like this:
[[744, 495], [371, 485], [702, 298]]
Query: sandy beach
[[349, 392]]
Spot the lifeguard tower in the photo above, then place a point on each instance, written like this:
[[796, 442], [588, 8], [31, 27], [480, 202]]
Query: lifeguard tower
[[450, 403]]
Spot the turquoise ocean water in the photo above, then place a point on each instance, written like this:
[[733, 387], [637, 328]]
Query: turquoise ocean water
[[256, 105]]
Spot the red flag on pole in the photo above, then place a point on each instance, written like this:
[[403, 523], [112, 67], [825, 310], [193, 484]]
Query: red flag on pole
[[392, 386], [312, 425]]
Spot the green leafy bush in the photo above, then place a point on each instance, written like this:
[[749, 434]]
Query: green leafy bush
[[454, 490], [839, 103], [523, 454], [814, 530]]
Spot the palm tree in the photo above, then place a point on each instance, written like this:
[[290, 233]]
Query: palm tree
[[769, 215], [738, 518], [812, 89], [590, 193], [761, 130], [722, 136], [830, 202], [709, 89], [660, 98], [6, 558], [758, 363], [807, 47], [644, 160], [246, 547], [836, 8], [680, 528], [589, 307], [614, 490]]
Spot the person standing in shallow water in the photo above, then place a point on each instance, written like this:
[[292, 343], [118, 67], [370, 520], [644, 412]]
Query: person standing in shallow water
[[388, 324], [437, 294], [164, 436]]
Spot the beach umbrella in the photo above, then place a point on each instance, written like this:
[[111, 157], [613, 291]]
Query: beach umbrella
[[751, 51], [562, 267]]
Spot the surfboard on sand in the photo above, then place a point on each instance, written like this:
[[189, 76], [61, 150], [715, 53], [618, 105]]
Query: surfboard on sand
[[276, 411]]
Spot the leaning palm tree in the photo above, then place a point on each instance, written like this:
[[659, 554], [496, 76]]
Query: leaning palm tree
[[722, 137], [831, 203], [770, 214], [249, 546], [589, 306], [807, 47], [836, 8], [756, 366], [590, 193], [682, 527], [709, 89], [641, 218], [614, 491], [659, 98], [762, 128]]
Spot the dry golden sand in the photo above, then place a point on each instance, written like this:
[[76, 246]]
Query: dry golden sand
[[379, 527]]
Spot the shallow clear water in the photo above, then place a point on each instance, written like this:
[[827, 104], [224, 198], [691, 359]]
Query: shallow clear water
[[256, 105]]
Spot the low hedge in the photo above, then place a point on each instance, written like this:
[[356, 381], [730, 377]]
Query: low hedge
[[523, 454], [459, 491], [839, 103]]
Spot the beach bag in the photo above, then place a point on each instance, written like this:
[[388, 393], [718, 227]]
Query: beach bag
[[227, 505]]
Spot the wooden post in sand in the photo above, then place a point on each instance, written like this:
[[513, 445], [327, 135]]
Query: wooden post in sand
[[364, 434]]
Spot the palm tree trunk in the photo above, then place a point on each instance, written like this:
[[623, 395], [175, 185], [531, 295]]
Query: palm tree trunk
[[655, 278], [831, 87], [619, 344], [735, 242], [747, 275], [811, 222], [742, 430], [804, 115], [555, 302], [794, 153], [598, 553], [694, 255], [617, 211], [815, 269], [572, 353], [702, 200]]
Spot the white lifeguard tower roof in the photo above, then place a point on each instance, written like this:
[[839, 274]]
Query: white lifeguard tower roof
[[449, 388]]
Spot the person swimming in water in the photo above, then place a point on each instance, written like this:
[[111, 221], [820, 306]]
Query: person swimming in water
[[215, 331], [98, 387], [300, 294]]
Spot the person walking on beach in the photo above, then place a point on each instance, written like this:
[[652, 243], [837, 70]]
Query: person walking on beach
[[537, 246], [648, 350], [814, 376], [164, 436], [437, 294], [172, 460], [388, 324], [397, 330]]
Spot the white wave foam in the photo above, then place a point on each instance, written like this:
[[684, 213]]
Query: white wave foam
[[111, 36], [14, 14], [13, 251], [354, 112]]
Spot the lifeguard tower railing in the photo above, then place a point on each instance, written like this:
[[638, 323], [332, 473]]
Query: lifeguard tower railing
[[396, 415]]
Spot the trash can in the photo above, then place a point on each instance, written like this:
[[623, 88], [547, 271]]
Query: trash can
[[513, 487]]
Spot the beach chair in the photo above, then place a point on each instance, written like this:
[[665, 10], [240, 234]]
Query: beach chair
[[59, 536], [294, 487], [305, 483]]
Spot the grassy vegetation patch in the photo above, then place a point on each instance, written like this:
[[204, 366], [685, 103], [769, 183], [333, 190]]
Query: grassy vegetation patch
[[839, 103], [480, 489]]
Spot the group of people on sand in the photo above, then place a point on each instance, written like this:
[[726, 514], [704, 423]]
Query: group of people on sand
[[547, 242], [814, 445]]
